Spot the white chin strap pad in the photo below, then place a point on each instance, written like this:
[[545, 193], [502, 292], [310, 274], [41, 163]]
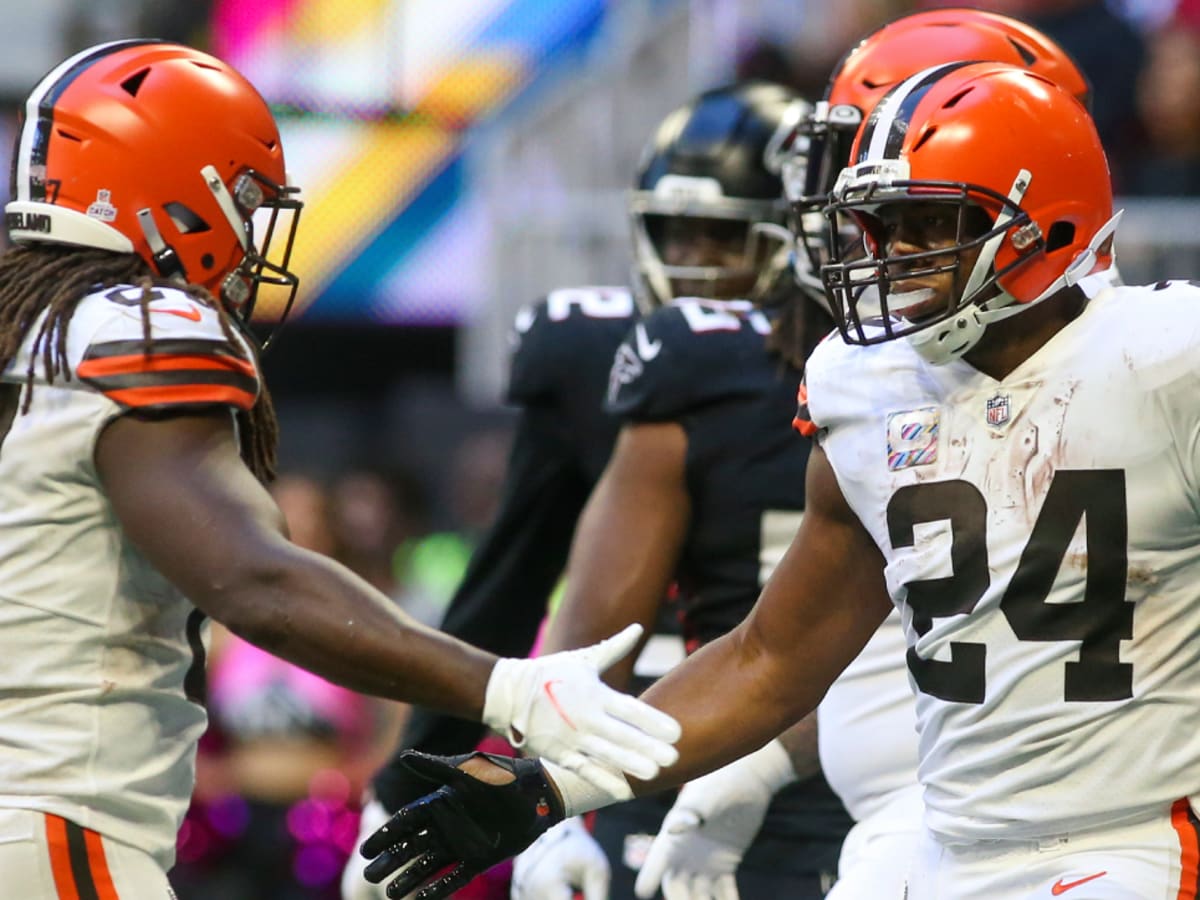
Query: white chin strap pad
[[947, 341]]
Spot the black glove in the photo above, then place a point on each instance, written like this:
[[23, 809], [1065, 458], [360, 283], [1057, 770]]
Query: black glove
[[462, 823]]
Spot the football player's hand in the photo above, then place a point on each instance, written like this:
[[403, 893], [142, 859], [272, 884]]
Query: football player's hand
[[354, 885], [557, 707], [562, 861], [456, 825], [714, 819]]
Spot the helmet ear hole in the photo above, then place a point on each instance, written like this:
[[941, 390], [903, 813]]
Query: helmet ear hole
[[187, 221], [1061, 234]]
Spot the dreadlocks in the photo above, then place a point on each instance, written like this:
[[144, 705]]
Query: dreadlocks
[[798, 324], [53, 278]]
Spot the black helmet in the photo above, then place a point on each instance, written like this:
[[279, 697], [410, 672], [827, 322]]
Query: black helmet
[[715, 163]]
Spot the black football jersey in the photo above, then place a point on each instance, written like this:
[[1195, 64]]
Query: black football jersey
[[562, 353], [704, 364], [563, 349]]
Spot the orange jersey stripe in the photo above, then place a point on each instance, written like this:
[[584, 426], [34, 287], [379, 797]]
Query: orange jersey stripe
[[137, 363], [176, 394], [805, 427], [1189, 843], [60, 858], [98, 864]]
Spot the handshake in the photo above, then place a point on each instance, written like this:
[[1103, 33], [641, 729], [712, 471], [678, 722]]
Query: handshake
[[466, 813]]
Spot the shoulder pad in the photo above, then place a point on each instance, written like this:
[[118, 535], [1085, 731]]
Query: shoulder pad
[[568, 329], [187, 360], [845, 382], [688, 354]]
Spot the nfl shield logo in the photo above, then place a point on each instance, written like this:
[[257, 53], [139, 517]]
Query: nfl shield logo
[[997, 410]]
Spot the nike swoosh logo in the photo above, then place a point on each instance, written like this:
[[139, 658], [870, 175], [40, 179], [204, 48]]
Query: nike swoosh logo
[[548, 687], [646, 348], [191, 313], [1061, 887]]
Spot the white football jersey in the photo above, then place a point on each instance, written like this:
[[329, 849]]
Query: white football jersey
[[867, 726], [1042, 544], [95, 723]]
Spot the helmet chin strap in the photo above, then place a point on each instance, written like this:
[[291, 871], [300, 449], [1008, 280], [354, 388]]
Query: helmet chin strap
[[166, 260], [950, 340], [946, 341], [1079, 269]]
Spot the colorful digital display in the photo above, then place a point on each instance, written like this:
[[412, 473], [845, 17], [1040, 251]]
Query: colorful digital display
[[376, 99]]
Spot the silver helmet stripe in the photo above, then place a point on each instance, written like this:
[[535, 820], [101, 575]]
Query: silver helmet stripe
[[32, 139], [884, 132]]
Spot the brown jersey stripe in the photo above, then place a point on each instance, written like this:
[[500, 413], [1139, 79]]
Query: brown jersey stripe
[[81, 869], [164, 347], [110, 384], [115, 365]]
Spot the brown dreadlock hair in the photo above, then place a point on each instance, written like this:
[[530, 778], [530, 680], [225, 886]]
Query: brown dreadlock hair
[[799, 323], [55, 277]]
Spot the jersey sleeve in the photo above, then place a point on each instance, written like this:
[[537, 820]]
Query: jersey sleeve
[[686, 356], [187, 360], [803, 422], [838, 386]]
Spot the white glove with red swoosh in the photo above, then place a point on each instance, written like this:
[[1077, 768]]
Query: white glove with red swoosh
[[557, 707]]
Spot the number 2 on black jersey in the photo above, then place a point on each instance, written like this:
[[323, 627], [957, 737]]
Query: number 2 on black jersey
[[1100, 621]]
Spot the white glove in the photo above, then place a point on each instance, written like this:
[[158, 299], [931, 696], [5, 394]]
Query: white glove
[[714, 819], [354, 885], [563, 860], [557, 707]]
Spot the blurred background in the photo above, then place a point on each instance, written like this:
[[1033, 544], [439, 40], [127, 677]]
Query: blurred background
[[458, 159]]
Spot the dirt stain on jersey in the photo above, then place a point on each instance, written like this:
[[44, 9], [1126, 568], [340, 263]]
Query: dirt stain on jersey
[[1141, 576]]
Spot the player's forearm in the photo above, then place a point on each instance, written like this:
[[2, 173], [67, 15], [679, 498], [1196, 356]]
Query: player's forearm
[[316, 614], [627, 543], [735, 694], [730, 698]]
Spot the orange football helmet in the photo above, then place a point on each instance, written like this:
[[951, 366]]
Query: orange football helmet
[[995, 143], [887, 57], [918, 41], [160, 150]]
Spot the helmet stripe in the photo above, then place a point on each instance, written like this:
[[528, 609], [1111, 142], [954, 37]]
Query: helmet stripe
[[29, 162], [884, 133]]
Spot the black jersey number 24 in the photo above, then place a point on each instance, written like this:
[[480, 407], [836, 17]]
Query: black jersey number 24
[[1100, 621]]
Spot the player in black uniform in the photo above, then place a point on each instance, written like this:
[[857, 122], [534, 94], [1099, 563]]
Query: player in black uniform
[[563, 351], [706, 484], [563, 367]]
